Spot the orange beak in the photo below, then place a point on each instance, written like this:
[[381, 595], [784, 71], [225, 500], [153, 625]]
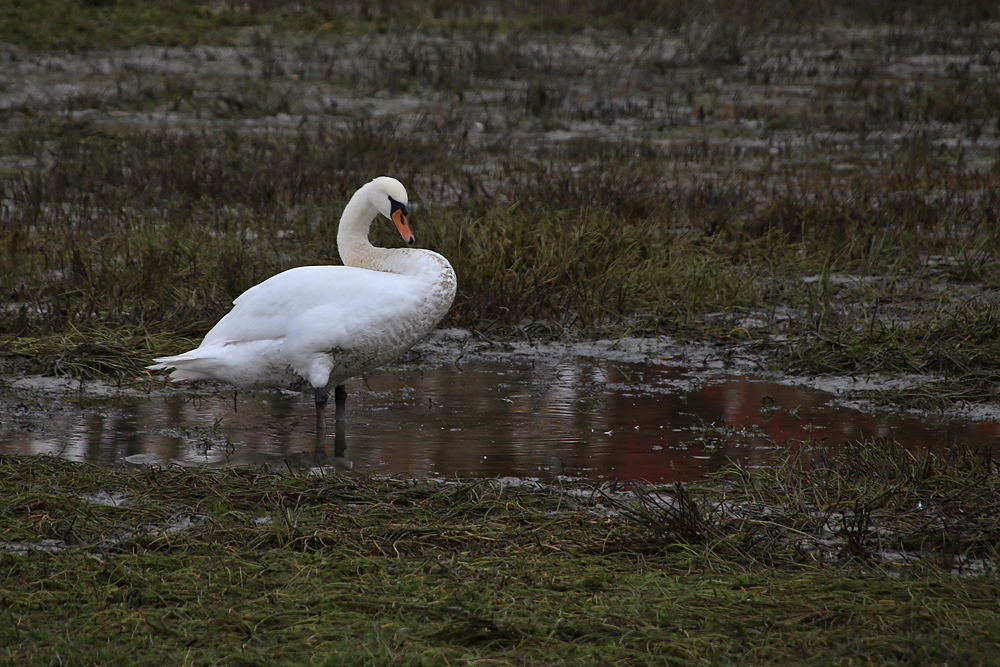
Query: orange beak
[[403, 226]]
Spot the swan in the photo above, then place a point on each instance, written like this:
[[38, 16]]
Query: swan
[[325, 324]]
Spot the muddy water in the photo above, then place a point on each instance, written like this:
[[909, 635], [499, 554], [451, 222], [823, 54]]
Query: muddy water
[[579, 417]]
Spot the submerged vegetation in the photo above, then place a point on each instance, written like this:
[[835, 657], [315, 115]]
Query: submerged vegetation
[[870, 558]]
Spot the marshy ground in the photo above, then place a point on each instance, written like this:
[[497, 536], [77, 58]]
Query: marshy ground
[[817, 193]]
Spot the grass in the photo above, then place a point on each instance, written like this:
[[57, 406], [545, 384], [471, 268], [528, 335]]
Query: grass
[[121, 249], [732, 26], [872, 557]]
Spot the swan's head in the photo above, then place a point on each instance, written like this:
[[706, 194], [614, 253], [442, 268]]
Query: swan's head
[[389, 198]]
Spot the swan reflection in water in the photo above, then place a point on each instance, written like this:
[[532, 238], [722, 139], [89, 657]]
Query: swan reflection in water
[[293, 462]]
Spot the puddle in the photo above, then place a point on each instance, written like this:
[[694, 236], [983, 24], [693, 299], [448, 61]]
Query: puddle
[[581, 417]]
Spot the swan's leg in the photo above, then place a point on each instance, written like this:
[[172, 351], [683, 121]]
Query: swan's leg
[[340, 436], [340, 439], [321, 398], [319, 453], [340, 445], [340, 401]]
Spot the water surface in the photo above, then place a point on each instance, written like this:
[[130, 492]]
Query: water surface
[[579, 417]]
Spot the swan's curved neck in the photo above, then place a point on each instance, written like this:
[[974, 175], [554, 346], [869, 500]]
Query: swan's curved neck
[[352, 234]]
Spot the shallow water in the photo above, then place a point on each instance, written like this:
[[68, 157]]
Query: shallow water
[[586, 418]]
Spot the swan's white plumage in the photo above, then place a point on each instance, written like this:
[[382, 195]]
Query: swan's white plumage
[[325, 324]]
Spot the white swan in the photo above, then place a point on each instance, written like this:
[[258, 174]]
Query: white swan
[[325, 324]]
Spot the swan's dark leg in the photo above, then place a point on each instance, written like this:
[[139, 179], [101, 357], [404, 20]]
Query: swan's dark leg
[[340, 444], [321, 398], [340, 401], [340, 439]]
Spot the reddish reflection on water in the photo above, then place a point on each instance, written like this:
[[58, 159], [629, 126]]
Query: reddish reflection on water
[[579, 417]]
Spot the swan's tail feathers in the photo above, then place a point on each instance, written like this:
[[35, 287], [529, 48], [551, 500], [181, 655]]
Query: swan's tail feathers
[[186, 366]]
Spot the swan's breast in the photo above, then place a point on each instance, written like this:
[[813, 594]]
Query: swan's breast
[[370, 318]]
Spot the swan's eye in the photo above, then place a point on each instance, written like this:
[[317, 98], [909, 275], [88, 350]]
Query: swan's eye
[[397, 206]]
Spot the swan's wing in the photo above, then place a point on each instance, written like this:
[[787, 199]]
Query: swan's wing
[[331, 299]]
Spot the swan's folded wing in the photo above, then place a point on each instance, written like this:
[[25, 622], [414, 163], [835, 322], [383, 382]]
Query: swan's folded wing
[[266, 311]]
